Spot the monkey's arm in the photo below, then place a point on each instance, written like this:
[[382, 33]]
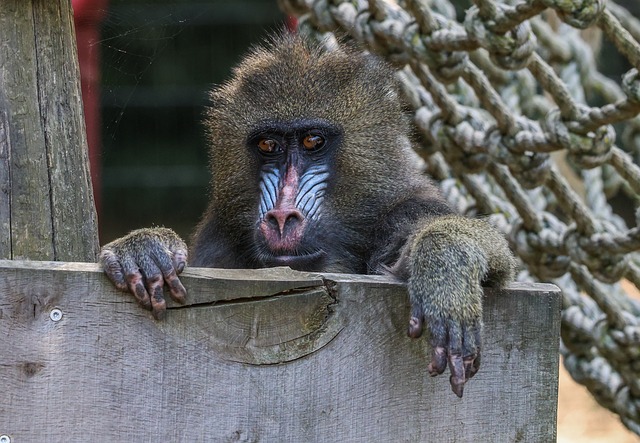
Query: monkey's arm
[[142, 261], [446, 262]]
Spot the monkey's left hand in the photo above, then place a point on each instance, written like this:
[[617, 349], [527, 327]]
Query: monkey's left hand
[[450, 259], [142, 262]]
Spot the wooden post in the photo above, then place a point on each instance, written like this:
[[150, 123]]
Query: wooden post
[[261, 355], [46, 202]]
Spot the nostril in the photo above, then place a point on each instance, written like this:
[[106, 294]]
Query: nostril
[[293, 217], [272, 220]]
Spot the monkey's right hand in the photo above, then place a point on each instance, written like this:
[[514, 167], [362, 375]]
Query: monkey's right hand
[[142, 261]]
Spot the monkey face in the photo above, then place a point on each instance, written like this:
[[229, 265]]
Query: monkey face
[[309, 148], [295, 159]]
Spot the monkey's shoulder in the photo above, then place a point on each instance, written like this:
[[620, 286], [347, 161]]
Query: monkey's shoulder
[[416, 204]]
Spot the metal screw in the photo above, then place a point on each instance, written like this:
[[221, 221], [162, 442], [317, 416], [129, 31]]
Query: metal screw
[[55, 315], [5, 439]]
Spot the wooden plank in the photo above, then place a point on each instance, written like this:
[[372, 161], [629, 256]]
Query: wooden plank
[[46, 201], [24, 139], [73, 218], [106, 371], [5, 185]]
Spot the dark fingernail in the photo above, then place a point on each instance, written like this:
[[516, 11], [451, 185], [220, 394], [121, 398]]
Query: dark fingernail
[[159, 314], [438, 361], [415, 328], [457, 386]]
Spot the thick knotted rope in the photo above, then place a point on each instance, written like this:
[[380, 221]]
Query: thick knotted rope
[[502, 100]]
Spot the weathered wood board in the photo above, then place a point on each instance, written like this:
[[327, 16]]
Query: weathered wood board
[[46, 202], [264, 355]]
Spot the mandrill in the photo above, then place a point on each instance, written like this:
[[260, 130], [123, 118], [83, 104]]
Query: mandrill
[[312, 168]]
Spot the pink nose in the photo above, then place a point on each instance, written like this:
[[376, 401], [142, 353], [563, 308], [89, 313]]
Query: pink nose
[[285, 221]]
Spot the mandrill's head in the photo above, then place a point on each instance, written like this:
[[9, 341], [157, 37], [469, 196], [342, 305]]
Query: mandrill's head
[[296, 126]]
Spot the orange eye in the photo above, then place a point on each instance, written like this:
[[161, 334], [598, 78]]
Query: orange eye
[[313, 142], [267, 145]]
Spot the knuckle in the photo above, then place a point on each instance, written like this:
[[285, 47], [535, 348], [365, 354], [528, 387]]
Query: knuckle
[[170, 275], [158, 297], [121, 286], [110, 262], [154, 280], [133, 277], [107, 255], [180, 255]]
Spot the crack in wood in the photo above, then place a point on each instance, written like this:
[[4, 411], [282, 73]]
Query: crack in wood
[[251, 299]]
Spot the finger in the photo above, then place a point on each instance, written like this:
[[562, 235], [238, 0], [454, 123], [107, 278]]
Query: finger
[[113, 269], [456, 364], [416, 322], [179, 258], [438, 340], [457, 385], [169, 273], [476, 362], [155, 284], [475, 366], [159, 305], [135, 283], [176, 289], [471, 349], [438, 361], [471, 365]]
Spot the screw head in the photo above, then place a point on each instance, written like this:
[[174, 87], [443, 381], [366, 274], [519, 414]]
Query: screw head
[[55, 315], [5, 439]]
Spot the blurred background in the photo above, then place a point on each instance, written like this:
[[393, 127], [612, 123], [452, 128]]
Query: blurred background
[[146, 67]]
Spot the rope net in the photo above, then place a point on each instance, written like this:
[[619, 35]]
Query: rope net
[[504, 101]]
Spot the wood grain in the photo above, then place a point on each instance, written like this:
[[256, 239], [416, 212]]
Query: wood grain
[[46, 202], [108, 372]]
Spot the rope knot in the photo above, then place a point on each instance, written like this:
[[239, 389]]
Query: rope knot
[[631, 85], [318, 22], [511, 50], [586, 150], [530, 167], [608, 268], [577, 13], [539, 250], [446, 66], [461, 143]]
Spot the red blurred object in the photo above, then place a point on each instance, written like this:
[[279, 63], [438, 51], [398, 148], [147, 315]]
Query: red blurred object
[[88, 14], [292, 23]]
